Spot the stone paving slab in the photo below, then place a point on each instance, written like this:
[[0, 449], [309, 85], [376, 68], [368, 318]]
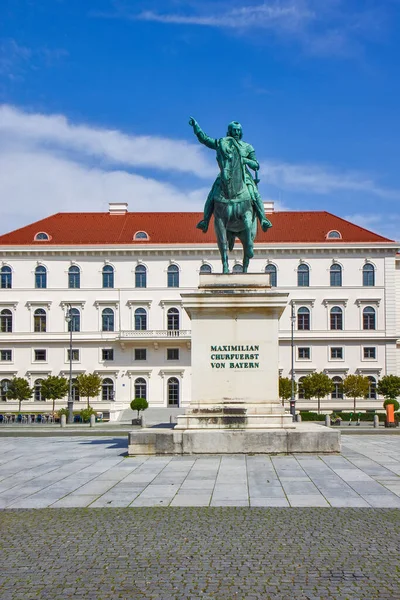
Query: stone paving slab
[[206, 553], [35, 474]]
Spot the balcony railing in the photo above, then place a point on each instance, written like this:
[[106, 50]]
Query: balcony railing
[[153, 334]]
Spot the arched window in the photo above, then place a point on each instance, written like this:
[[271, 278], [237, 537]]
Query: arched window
[[37, 390], [140, 276], [205, 268], [75, 392], [372, 388], [140, 388], [303, 318], [108, 276], [300, 388], [6, 321], [141, 235], [337, 392], [40, 277], [368, 275], [107, 389], [5, 277], [107, 320], [42, 236], [173, 276], [336, 317], [173, 319], [4, 385], [303, 276], [39, 320], [336, 275], [75, 322], [173, 391], [238, 268], [271, 269], [74, 277], [369, 318], [140, 319], [334, 235]]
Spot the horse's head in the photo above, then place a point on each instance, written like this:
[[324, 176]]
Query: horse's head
[[230, 164]]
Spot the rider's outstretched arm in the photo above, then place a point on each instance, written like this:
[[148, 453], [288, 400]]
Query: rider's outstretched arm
[[201, 136]]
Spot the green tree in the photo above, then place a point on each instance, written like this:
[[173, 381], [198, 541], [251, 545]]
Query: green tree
[[54, 388], [139, 404], [389, 387], [356, 386], [89, 385], [317, 385], [285, 389], [19, 389]]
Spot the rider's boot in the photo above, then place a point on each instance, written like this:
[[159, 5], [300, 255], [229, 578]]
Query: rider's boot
[[203, 225], [259, 208]]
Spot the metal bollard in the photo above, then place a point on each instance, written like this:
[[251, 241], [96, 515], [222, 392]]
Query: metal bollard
[[327, 420], [376, 421], [92, 420], [63, 420]]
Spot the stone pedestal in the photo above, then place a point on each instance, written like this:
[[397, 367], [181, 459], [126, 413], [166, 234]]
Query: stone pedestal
[[235, 370], [235, 405]]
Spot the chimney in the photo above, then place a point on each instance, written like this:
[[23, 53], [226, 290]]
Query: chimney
[[269, 206], [118, 208]]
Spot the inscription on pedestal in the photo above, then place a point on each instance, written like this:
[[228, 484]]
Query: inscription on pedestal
[[235, 356]]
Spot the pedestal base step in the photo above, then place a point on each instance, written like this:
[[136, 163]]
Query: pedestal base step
[[306, 438]]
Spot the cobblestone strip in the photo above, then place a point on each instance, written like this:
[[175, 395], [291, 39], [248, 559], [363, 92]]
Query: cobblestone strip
[[200, 553]]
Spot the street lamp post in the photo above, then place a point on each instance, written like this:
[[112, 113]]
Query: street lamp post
[[70, 404], [292, 397]]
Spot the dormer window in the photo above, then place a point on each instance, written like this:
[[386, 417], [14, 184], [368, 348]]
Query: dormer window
[[334, 235], [42, 236], [141, 235]]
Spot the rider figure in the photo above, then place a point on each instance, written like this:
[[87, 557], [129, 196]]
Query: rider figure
[[249, 160]]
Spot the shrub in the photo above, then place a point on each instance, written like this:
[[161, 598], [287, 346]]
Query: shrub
[[85, 414], [392, 401], [307, 415]]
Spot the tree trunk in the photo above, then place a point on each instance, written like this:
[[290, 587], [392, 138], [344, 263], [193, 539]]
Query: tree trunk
[[354, 406], [54, 405], [19, 405], [88, 401], [319, 405]]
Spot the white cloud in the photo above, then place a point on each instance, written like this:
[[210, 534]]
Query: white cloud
[[35, 185], [111, 146], [244, 17], [322, 180]]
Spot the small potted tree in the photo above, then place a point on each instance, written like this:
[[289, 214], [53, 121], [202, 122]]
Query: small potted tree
[[389, 387], [138, 404]]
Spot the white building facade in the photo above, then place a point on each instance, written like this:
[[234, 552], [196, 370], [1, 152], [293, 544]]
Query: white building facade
[[128, 324]]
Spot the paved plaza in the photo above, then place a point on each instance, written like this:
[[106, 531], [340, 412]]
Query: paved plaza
[[95, 472], [180, 528]]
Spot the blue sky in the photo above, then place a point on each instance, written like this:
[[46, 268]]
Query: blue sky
[[95, 99]]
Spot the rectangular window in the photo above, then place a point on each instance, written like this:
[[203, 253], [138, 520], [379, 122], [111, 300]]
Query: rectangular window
[[140, 354], [172, 353], [6, 355], [337, 353], [369, 352], [40, 355], [107, 354], [304, 353], [74, 353]]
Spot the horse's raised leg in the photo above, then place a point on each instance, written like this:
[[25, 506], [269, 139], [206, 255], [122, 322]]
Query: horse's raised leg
[[220, 230]]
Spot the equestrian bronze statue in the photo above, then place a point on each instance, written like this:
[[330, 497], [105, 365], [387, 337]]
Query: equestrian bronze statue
[[234, 198]]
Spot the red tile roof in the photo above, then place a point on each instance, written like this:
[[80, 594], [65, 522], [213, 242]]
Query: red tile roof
[[180, 228]]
